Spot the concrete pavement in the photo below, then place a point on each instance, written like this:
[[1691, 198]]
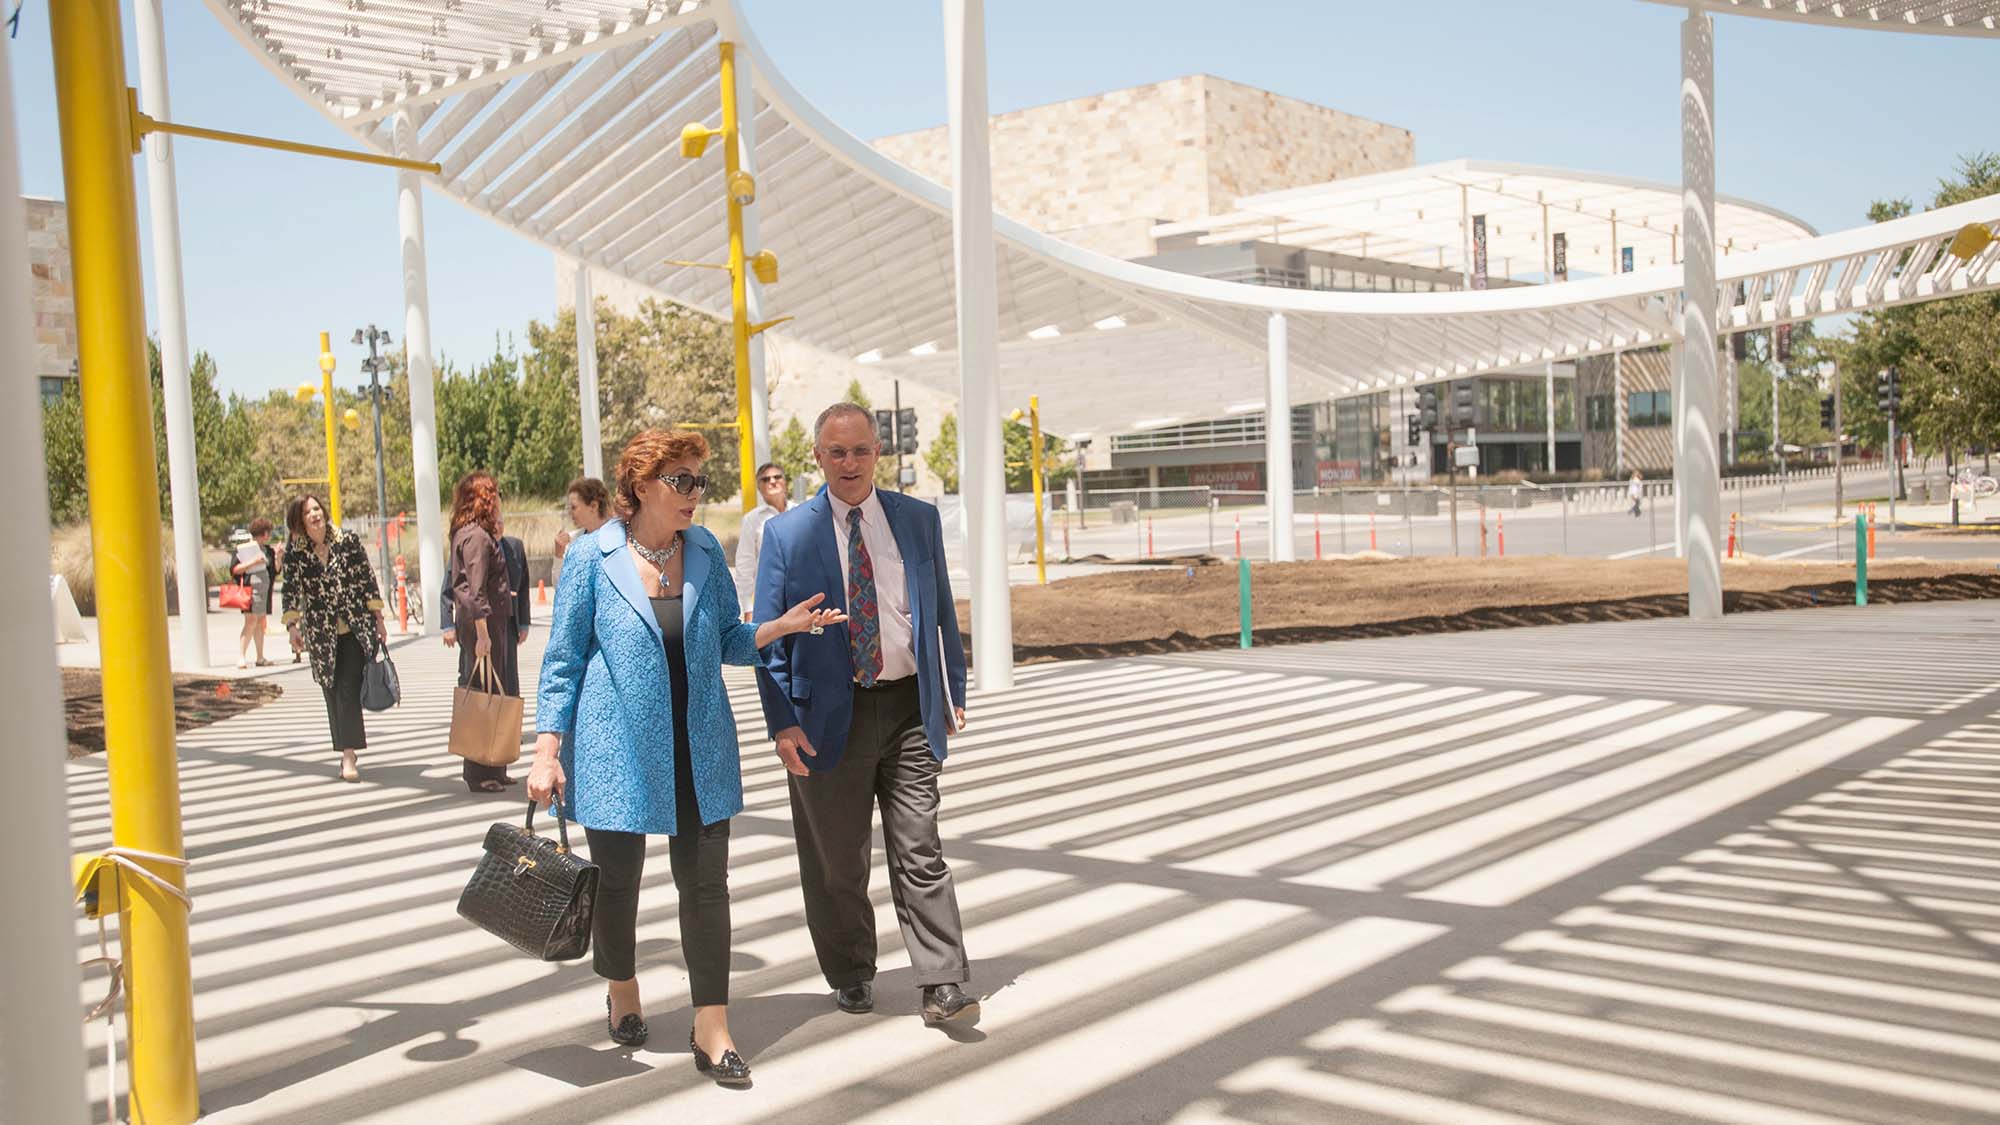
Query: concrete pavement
[[1643, 871]]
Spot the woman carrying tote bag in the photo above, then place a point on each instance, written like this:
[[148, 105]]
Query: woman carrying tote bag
[[483, 605]]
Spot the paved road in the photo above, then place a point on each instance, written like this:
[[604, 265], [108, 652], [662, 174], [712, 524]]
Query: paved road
[[1597, 873], [1792, 522]]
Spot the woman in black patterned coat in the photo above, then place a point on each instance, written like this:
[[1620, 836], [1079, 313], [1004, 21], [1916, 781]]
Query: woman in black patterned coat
[[333, 609]]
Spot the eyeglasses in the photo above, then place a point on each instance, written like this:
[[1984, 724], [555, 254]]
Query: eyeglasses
[[777, 479], [687, 484], [837, 453]]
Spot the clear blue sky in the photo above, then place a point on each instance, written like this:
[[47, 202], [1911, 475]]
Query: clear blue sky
[[1814, 121]]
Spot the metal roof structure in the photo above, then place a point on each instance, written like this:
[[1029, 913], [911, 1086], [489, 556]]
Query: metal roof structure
[[562, 124], [1972, 18], [1415, 216]]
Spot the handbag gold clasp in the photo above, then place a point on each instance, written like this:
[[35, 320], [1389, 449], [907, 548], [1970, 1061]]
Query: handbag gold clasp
[[522, 864]]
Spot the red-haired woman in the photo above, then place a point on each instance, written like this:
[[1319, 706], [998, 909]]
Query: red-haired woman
[[482, 601]]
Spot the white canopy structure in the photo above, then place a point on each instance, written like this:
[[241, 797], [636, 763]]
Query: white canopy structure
[[561, 123]]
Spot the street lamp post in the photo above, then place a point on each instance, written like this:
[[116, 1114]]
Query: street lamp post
[[325, 391], [373, 366], [1035, 475], [741, 192]]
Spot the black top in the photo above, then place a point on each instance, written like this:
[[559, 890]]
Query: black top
[[667, 611]]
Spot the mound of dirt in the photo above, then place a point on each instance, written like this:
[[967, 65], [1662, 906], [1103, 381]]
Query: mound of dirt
[[198, 701], [1193, 605]]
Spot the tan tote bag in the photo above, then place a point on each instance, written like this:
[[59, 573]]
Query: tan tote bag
[[485, 723]]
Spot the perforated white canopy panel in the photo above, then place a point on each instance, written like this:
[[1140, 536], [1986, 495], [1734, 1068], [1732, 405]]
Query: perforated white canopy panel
[[561, 120], [1927, 17]]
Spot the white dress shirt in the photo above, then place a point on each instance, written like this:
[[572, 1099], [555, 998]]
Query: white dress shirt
[[749, 549], [892, 597]]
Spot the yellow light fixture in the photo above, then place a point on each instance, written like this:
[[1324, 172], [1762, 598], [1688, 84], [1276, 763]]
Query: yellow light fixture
[[742, 189], [305, 392], [1016, 414], [694, 139], [352, 420], [1970, 240], [326, 361], [765, 265]]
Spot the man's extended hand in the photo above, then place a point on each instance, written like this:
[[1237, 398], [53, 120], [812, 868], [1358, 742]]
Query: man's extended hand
[[792, 743]]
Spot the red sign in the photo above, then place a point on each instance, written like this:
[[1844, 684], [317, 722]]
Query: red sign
[[1338, 472], [1247, 476]]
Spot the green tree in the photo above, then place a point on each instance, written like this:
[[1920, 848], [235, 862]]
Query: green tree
[[1057, 465], [792, 450], [1942, 350], [62, 450], [942, 456]]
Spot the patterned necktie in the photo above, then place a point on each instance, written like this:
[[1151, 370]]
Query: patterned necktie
[[864, 625]]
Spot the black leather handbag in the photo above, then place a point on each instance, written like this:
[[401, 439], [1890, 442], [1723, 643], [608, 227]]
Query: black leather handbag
[[381, 687], [533, 892]]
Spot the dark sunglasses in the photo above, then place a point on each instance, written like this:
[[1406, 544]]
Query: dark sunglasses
[[770, 479], [687, 484]]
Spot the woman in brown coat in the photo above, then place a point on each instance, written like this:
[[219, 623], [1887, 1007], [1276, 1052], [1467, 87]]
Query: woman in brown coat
[[482, 604]]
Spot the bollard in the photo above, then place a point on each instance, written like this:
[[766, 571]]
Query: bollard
[[1503, 534], [1316, 554], [541, 591], [1243, 598], [1730, 553], [1066, 554], [1149, 537], [1482, 531], [1371, 529], [1239, 535], [1871, 531], [1864, 530]]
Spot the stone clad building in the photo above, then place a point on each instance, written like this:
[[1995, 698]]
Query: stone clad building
[[52, 294], [1102, 171]]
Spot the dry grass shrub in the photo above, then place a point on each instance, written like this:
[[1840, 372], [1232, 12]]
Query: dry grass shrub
[[70, 556]]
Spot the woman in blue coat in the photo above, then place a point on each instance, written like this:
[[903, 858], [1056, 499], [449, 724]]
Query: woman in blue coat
[[634, 727]]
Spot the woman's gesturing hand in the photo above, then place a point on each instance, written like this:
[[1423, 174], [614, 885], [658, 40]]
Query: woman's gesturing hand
[[803, 617], [546, 777]]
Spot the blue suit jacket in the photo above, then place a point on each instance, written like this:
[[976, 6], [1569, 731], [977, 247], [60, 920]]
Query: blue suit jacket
[[808, 681], [605, 686]]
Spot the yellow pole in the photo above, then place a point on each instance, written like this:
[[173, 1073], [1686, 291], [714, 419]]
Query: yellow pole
[[96, 130], [1035, 472], [332, 449], [739, 296]]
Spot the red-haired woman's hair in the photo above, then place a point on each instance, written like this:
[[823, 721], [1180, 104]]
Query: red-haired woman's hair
[[476, 500], [647, 455]]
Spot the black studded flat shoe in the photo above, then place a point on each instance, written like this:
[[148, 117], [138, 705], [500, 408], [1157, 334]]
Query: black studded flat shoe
[[628, 1032], [729, 1070]]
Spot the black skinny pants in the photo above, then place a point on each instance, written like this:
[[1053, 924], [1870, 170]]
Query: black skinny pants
[[343, 699], [700, 862]]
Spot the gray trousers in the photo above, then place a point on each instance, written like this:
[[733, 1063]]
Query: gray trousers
[[888, 763]]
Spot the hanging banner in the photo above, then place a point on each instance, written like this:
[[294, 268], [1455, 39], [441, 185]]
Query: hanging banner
[[1625, 259], [1562, 256], [1479, 251]]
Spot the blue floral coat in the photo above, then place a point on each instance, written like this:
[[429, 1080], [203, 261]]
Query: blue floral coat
[[605, 687]]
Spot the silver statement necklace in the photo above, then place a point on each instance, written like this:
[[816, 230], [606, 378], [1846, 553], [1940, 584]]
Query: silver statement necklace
[[659, 558]]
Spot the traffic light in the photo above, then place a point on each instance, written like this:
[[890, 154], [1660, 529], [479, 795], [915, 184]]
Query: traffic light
[[1888, 395], [1427, 409], [1826, 413], [906, 429], [1461, 405], [885, 429], [1416, 431]]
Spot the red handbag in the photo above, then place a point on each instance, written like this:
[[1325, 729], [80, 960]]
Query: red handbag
[[233, 596]]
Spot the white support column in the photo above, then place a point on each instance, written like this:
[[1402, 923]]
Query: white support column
[[1697, 476], [41, 1042], [984, 487], [417, 350], [1278, 441], [1620, 414], [1551, 371], [1464, 237], [760, 393], [163, 200], [586, 373]]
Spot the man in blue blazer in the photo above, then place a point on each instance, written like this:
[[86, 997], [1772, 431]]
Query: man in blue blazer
[[861, 713]]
